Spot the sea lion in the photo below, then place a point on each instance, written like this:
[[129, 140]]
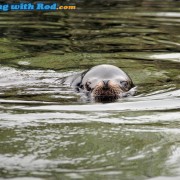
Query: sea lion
[[104, 83]]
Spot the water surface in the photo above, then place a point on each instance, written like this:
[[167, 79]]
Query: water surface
[[48, 132]]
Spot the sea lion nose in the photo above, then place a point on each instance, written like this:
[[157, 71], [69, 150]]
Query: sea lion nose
[[105, 84]]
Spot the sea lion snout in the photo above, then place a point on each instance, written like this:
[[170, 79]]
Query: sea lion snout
[[105, 84], [106, 88]]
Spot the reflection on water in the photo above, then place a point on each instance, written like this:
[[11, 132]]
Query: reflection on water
[[172, 56], [46, 131]]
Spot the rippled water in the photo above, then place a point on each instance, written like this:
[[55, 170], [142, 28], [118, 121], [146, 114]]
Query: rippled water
[[48, 132]]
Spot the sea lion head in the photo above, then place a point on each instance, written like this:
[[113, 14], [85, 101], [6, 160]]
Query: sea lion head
[[106, 83]]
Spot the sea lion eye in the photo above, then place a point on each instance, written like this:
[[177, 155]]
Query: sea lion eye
[[124, 84], [87, 85], [81, 86]]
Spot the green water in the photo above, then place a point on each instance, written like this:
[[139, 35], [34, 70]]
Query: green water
[[48, 132]]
